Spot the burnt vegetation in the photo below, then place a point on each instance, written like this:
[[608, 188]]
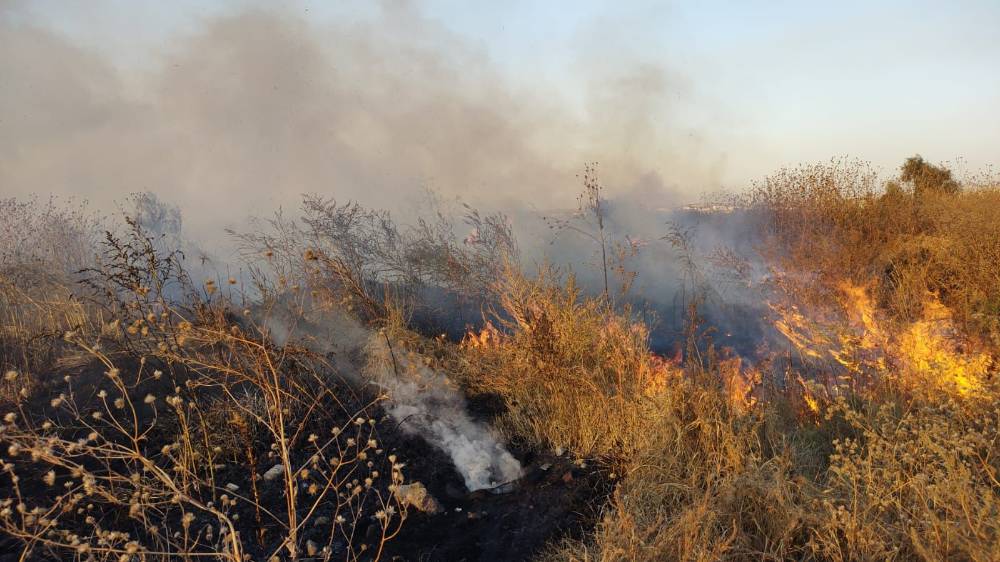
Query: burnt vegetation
[[148, 415]]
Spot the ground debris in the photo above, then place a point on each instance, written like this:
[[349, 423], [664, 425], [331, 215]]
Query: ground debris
[[416, 495]]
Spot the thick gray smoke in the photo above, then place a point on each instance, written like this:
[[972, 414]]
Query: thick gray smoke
[[244, 111], [247, 109]]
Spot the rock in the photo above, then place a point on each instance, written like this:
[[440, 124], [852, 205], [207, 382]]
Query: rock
[[505, 488], [232, 487], [274, 472], [546, 466], [416, 495]]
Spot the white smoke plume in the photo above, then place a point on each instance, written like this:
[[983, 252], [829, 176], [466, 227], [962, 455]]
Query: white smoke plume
[[424, 403], [421, 401]]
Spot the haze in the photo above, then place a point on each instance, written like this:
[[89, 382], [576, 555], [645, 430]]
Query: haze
[[228, 109]]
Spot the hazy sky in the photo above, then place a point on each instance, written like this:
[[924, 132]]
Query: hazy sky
[[681, 96]]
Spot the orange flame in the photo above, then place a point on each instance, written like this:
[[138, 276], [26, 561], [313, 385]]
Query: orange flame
[[486, 338], [661, 372], [929, 351]]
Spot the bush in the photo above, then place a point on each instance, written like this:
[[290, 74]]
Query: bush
[[186, 432], [913, 482], [570, 371], [709, 485]]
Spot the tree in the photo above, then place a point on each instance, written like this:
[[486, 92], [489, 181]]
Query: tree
[[927, 178]]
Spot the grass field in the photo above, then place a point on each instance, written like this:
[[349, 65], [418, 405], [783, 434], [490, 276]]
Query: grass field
[[149, 415]]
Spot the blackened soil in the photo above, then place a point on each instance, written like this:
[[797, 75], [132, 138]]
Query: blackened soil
[[555, 498]]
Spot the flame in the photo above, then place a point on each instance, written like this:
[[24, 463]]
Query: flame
[[811, 402], [661, 372], [739, 383], [928, 353], [931, 351], [487, 337], [848, 334], [861, 312], [806, 336]]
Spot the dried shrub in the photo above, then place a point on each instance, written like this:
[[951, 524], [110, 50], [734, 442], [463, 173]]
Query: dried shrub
[[570, 371], [914, 482], [125, 456]]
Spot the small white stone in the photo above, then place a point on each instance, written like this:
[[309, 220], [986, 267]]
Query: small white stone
[[274, 472]]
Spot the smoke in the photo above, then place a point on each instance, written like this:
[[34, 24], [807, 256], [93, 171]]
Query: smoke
[[424, 403], [421, 401], [718, 267], [243, 111]]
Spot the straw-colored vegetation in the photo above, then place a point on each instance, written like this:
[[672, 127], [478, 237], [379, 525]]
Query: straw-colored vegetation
[[141, 418], [166, 431], [877, 435]]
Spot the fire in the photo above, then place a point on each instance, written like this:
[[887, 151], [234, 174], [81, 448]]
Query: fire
[[487, 337], [811, 395], [806, 336], [861, 312], [661, 372], [930, 351], [739, 382]]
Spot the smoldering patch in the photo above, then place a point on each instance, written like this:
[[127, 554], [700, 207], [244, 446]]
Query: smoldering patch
[[424, 402]]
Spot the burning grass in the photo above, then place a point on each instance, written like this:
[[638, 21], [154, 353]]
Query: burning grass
[[571, 372], [875, 437], [163, 419]]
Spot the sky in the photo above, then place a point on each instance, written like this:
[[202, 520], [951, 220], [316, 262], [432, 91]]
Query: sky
[[239, 106]]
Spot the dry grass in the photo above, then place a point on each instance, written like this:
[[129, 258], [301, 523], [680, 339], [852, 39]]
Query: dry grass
[[708, 486], [700, 476], [154, 441], [872, 434], [572, 372], [137, 466], [35, 311], [880, 440], [913, 482], [834, 223]]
